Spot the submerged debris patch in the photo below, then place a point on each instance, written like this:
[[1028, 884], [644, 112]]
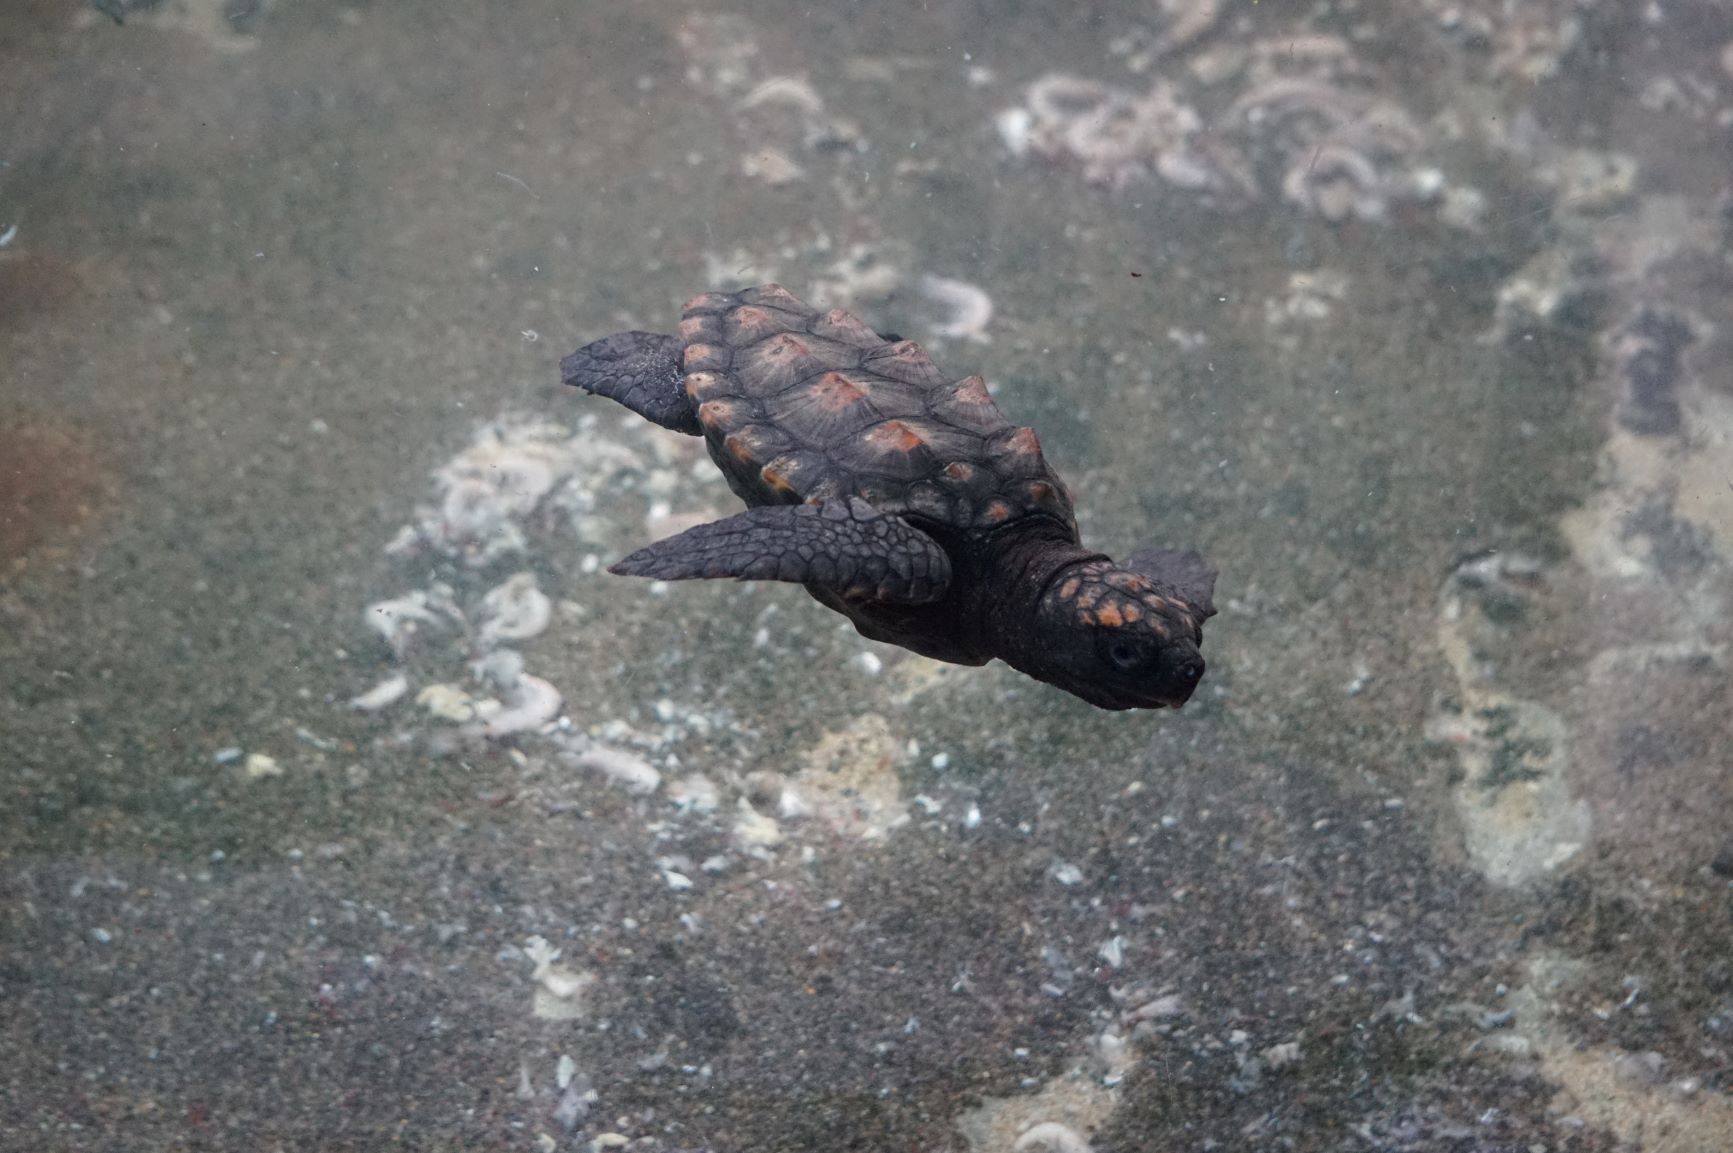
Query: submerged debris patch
[[1342, 151], [1650, 352]]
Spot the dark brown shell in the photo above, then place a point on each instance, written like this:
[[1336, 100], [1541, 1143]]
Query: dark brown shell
[[799, 405]]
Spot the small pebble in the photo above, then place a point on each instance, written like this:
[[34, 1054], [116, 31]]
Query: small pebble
[[1277, 1056], [629, 769], [1159, 1009], [448, 702]]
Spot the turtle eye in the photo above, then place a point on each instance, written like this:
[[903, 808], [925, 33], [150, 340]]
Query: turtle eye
[[1124, 654]]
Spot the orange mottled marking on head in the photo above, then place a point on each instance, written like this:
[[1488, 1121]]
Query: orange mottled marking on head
[[1132, 613], [895, 436], [1110, 615], [740, 445], [692, 327], [1131, 582], [835, 392], [776, 479], [1024, 442], [1070, 587], [1040, 492], [997, 511], [957, 470], [703, 300]]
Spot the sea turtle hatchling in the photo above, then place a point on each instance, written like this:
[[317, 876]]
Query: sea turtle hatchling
[[901, 499]]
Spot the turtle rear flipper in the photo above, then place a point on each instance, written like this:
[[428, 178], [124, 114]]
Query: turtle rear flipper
[[640, 370], [846, 546]]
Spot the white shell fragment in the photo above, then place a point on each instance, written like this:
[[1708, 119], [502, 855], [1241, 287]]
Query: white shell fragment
[[1160, 1009], [754, 829], [397, 619], [387, 692], [695, 793], [514, 611], [487, 491], [966, 307], [559, 990], [447, 702], [1282, 1055], [627, 769], [1052, 1137], [1066, 873], [528, 705]]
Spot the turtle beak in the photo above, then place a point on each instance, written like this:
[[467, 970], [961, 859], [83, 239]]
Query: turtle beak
[[1181, 669], [1177, 674]]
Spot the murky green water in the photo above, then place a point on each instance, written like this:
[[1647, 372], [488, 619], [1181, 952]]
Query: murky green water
[[348, 802]]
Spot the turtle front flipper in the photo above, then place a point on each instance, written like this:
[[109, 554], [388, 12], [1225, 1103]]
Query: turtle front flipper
[[640, 370], [844, 545], [1181, 572]]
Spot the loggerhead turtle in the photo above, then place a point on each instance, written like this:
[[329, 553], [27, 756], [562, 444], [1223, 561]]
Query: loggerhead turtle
[[901, 499]]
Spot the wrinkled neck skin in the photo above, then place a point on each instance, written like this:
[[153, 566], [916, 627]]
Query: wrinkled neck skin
[[1027, 560]]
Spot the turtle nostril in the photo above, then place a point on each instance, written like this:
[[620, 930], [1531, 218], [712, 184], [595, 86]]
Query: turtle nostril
[[1182, 668]]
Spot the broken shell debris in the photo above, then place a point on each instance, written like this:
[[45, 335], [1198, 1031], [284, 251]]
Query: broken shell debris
[[1343, 149], [521, 500], [559, 989]]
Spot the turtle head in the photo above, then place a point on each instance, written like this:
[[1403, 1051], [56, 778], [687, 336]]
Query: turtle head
[[1123, 638]]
